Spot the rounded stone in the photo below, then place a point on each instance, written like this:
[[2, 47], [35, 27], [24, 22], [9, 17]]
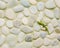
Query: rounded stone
[[38, 42], [10, 14], [2, 5], [33, 9], [18, 8], [28, 38], [50, 4], [26, 29], [25, 3], [40, 6]]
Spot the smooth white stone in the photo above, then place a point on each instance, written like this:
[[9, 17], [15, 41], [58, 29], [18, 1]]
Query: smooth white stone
[[18, 8], [38, 42], [27, 45], [11, 40], [33, 2], [5, 30], [26, 12], [2, 39], [54, 42], [50, 4], [36, 27], [33, 9], [20, 16], [25, 3], [2, 14], [50, 28], [57, 13], [40, 6], [29, 38], [40, 16], [47, 41], [43, 34], [36, 35], [43, 47], [54, 22], [17, 23], [31, 20], [9, 23], [46, 19], [25, 20], [15, 31], [21, 37], [52, 36], [57, 3], [10, 14], [49, 13], [58, 37], [24, 45], [12, 3], [57, 46], [57, 29], [5, 46], [2, 5], [2, 22], [26, 29]]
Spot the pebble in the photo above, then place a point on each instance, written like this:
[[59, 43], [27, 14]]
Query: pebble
[[47, 41], [43, 47], [25, 20], [33, 9], [38, 42], [2, 22], [57, 13], [2, 5], [15, 31], [52, 36], [43, 34], [5, 46], [54, 42], [5, 30], [33, 2], [12, 3], [2, 39], [21, 37], [36, 35], [18, 8], [50, 4], [31, 20], [40, 16], [28, 38], [54, 22], [57, 46], [50, 28], [2, 14], [9, 23], [40, 6], [20, 16], [36, 27], [10, 14], [26, 12], [26, 29], [26, 45], [25, 3], [11, 40], [49, 13], [46, 20], [57, 29], [57, 3], [58, 37], [17, 23]]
